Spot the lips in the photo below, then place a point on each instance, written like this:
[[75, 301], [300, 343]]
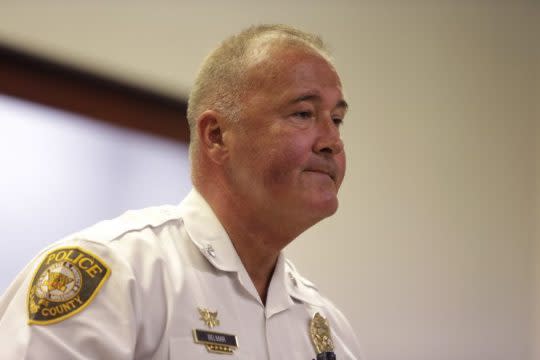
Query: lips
[[329, 169]]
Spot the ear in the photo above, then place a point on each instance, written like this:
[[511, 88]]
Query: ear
[[210, 128]]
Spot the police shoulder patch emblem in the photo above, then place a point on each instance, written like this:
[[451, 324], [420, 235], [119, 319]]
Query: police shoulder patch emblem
[[65, 282]]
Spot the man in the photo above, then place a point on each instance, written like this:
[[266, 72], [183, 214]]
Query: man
[[207, 279]]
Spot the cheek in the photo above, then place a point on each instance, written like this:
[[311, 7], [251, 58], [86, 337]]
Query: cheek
[[285, 161]]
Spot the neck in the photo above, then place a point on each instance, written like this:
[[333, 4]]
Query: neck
[[257, 240]]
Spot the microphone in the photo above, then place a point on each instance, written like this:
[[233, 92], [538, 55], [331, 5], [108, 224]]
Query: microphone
[[329, 355]]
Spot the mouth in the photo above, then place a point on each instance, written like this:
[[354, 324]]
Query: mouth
[[326, 172]]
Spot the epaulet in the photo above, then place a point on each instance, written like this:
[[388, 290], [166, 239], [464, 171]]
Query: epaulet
[[290, 268], [132, 220]]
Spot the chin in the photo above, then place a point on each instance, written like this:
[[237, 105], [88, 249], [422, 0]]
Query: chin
[[325, 207]]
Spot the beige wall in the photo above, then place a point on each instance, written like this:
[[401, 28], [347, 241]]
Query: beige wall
[[536, 300], [430, 254], [536, 258]]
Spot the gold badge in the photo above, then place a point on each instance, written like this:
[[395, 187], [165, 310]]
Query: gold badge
[[215, 342], [66, 281], [320, 334], [208, 317]]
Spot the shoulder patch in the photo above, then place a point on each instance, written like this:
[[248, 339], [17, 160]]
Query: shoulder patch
[[66, 281]]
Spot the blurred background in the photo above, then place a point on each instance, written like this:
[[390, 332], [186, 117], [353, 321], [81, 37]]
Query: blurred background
[[435, 251]]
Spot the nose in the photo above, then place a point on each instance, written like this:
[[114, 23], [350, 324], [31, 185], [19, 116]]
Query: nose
[[328, 138]]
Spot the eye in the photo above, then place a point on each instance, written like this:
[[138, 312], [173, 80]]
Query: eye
[[337, 121], [303, 114]]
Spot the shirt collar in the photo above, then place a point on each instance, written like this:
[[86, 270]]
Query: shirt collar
[[278, 298], [207, 233], [300, 288]]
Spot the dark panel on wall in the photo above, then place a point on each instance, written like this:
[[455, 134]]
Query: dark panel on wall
[[47, 82]]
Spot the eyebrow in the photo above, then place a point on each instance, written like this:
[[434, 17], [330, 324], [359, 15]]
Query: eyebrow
[[314, 97]]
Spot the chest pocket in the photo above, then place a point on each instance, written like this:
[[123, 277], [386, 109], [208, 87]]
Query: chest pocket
[[183, 348]]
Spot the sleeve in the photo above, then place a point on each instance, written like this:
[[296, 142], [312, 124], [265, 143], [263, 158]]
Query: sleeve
[[77, 300]]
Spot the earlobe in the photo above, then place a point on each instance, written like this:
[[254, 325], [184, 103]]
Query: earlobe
[[210, 126]]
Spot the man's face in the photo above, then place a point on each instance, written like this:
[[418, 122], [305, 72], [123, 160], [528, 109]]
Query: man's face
[[286, 156]]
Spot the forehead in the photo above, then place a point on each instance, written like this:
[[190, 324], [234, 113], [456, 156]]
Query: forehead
[[284, 68]]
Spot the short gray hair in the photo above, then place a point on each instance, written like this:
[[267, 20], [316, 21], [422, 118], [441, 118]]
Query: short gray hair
[[221, 81]]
